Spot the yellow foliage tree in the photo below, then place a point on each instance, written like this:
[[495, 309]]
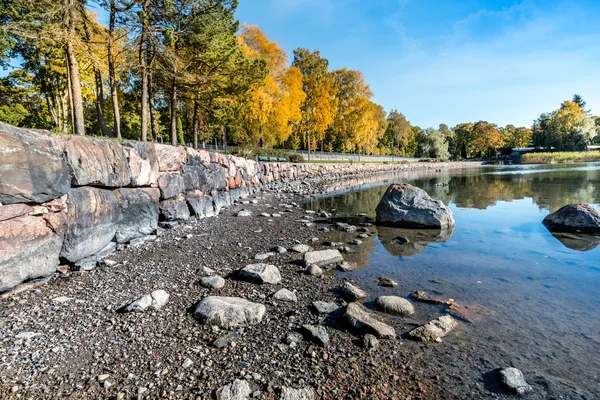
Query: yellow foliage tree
[[274, 107]]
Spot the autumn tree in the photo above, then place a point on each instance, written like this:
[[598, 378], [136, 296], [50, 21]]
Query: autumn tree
[[317, 110], [517, 137], [565, 129], [486, 138], [273, 107]]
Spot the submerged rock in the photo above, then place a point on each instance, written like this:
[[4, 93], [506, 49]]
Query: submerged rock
[[228, 312], [347, 266], [425, 298], [386, 282], [581, 218], [512, 381], [394, 305], [406, 206], [361, 319], [434, 330]]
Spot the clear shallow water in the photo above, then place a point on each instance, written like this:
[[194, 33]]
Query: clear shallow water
[[543, 290]]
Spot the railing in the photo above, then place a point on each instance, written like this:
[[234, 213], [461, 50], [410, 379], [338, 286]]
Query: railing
[[321, 155]]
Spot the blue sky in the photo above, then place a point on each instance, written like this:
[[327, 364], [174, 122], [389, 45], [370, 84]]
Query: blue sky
[[450, 61]]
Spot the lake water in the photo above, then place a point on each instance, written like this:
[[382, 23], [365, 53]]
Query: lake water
[[538, 295]]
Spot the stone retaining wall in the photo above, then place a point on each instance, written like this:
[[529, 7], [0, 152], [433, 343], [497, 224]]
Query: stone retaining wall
[[71, 199]]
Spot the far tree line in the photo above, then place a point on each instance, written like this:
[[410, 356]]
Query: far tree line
[[184, 71]]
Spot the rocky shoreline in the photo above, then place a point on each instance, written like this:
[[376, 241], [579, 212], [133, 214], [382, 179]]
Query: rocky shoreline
[[69, 337]]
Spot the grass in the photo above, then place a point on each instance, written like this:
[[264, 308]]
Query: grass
[[560, 157]]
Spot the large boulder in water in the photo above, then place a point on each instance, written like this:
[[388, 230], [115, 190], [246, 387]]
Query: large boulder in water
[[406, 206], [581, 218]]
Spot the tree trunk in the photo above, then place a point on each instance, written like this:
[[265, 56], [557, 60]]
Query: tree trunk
[[98, 80], [111, 70], [174, 109], [153, 122], [100, 104], [195, 124], [144, 94], [74, 79]]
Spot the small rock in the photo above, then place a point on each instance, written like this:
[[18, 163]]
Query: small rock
[[386, 282], [317, 333], [363, 236], [324, 307], [323, 257], [27, 335], [394, 305], [293, 337], [187, 363], [424, 297], [238, 390], [225, 340], [155, 300], [280, 250], [361, 319], [276, 215], [62, 299], [370, 342], [356, 242], [434, 330], [244, 213], [301, 248], [285, 295], [227, 312], [314, 270], [207, 271], [266, 215], [260, 273], [212, 282], [103, 377], [263, 256], [512, 381], [297, 394], [346, 266], [351, 292]]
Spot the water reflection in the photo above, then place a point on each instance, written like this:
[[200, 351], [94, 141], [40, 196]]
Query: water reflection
[[550, 187], [576, 241], [408, 242]]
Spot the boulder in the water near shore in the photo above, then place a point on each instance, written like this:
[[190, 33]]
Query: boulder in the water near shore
[[581, 218], [394, 305], [361, 319], [434, 330], [406, 206]]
